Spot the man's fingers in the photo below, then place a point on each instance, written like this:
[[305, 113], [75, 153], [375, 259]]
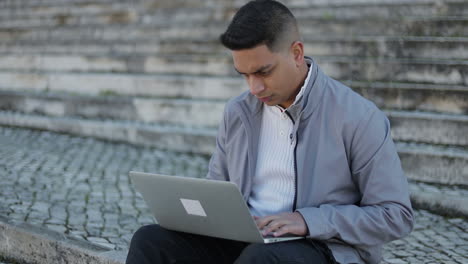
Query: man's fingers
[[262, 222], [292, 223], [274, 226], [283, 230], [277, 224], [279, 229]]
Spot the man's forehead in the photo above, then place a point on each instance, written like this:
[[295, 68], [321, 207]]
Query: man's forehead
[[253, 60]]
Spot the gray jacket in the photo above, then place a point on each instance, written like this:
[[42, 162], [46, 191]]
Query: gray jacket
[[350, 187]]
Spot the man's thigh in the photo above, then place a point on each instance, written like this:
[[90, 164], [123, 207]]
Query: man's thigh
[[154, 244], [297, 251]]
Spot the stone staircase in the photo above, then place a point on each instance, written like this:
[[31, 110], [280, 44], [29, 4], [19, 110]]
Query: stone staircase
[[153, 72]]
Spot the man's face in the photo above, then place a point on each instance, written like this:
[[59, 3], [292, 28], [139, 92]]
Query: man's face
[[272, 76]]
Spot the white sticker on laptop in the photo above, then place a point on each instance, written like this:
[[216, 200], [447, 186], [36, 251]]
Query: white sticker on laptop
[[193, 207]]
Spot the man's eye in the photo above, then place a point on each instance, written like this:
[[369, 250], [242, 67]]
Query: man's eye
[[263, 73]]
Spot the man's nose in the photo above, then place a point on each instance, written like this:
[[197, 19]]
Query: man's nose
[[256, 85]]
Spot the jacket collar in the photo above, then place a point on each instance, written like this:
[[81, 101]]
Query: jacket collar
[[314, 91]]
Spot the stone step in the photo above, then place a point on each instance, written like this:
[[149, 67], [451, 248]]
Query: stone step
[[450, 72], [429, 128], [45, 4], [427, 71], [42, 3], [364, 49], [163, 111], [426, 30], [426, 163], [393, 47], [315, 9], [86, 49], [434, 164], [64, 63], [385, 9], [194, 140], [54, 246], [403, 96], [143, 85], [69, 8], [410, 97], [362, 46], [428, 26], [103, 57], [295, 3], [43, 15], [103, 16], [205, 22], [446, 200], [434, 48]]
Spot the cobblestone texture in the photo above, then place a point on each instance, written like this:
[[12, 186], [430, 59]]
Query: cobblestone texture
[[80, 186]]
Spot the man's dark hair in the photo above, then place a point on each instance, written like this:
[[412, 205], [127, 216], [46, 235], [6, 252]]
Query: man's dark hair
[[260, 22]]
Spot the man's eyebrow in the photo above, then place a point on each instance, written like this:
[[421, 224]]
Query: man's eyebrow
[[261, 69]]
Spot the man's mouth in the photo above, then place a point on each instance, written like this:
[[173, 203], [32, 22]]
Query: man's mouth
[[265, 99]]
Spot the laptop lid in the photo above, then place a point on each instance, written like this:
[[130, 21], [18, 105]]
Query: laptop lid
[[199, 206]]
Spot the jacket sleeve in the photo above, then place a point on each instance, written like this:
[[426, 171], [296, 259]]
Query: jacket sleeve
[[217, 167], [384, 212]]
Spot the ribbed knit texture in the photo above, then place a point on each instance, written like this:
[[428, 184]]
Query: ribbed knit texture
[[273, 183]]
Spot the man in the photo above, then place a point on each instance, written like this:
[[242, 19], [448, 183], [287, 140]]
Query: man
[[310, 156]]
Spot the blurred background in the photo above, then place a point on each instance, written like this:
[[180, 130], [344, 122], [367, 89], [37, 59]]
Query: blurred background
[[153, 74]]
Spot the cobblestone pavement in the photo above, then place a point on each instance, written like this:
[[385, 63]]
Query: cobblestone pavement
[[80, 186]]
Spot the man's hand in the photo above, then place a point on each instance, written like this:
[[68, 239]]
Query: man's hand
[[281, 224]]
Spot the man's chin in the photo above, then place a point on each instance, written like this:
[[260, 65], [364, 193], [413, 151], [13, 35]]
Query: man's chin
[[270, 103]]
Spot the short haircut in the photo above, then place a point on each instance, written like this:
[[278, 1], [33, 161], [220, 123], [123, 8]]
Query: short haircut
[[261, 22]]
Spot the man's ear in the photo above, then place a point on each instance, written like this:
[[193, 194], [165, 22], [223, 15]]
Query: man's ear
[[297, 51]]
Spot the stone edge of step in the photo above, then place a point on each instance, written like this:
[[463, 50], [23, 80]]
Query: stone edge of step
[[439, 203], [22, 242]]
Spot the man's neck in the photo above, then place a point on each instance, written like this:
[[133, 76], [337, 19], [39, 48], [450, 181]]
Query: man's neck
[[303, 71]]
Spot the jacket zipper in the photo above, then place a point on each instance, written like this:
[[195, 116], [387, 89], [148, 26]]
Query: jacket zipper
[[295, 163], [295, 176]]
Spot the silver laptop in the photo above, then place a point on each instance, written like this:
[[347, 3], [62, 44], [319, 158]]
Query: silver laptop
[[200, 206]]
